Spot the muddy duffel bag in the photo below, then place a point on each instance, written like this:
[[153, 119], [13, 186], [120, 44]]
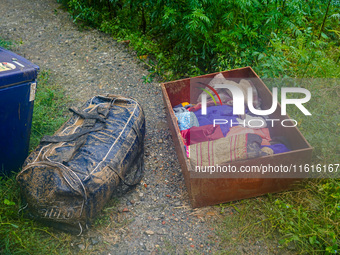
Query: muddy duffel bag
[[70, 176]]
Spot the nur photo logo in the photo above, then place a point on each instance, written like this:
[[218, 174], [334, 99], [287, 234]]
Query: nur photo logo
[[241, 100]]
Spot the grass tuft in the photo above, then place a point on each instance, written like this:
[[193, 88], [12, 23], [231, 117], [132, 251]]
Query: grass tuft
[[5, 44], [50, 109], [307, 219], [19, 235], [24, 236]]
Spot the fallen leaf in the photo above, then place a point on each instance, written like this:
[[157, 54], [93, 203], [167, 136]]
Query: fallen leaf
[[211, 213]]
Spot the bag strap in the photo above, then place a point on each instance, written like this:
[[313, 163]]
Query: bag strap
[[123, 179], [69, 138], [86, 115], [90, 120]]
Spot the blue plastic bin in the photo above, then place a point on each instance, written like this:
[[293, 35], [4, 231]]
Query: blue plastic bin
[[18, 81]]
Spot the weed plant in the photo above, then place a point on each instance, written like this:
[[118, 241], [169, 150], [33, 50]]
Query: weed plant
[[191, 37], [4, 43], [50, 109]]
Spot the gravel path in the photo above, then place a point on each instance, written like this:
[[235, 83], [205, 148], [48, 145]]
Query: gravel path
[[155, 217]]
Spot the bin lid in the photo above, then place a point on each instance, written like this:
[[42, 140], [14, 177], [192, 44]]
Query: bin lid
[[15, 69]]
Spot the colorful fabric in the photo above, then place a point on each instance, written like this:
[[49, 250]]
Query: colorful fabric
[[217, 111], [277, 148], [262, 132], [222, 112], [184, 104], [187, 151], [201, 134], [183, 107], [186, 120], [199, 106], [267, 150], [252, 122], [227, 149], [180, 110]]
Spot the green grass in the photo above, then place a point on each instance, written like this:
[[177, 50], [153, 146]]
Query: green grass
[[322, 129], [19, 235], [304, 221], [50, 109], [5, 44], [23, 236], [307, 219]]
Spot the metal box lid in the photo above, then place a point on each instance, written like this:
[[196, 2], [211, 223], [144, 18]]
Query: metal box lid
[[15, 69]]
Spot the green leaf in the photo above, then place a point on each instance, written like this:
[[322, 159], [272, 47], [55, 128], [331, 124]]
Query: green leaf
[[312, 239], [324, 36], [295, 238], [282, 241], [7, 202], [261, 56], [13, 225]]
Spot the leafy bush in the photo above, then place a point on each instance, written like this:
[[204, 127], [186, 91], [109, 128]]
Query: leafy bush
[[277, 38]]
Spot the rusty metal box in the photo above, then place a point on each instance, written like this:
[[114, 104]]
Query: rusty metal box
[[204, 190]]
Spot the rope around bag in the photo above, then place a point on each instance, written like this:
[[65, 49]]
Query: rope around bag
[[59, 166], [112, 98], [133, 112], [65, 138], [70, 177]]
